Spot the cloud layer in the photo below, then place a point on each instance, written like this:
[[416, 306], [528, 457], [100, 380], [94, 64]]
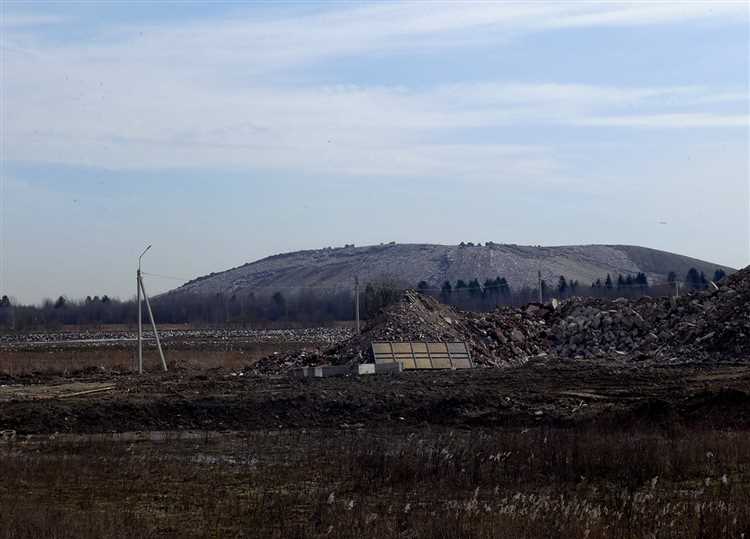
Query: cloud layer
[[210, 93]]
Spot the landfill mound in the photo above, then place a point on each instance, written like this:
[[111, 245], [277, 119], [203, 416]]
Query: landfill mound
[[701, 325]]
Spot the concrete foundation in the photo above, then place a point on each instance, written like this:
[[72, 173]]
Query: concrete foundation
[[366, 368], [380, 368], [326, 371], [331, 370]]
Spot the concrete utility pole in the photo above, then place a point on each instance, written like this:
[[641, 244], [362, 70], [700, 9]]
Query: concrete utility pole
[[356, 300], [539, 275], [539, 284], [140, 309], [142, 288]]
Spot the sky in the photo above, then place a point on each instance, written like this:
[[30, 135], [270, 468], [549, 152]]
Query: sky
[[221, 133]]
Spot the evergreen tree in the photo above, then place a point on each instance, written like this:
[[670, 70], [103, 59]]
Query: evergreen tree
[[280, 304], [475, 289], [562, 285], [370, 304], [693, 279], [719, 274], [671, 277], [503, 286], [491, 288], [422, 287], [445, 292]]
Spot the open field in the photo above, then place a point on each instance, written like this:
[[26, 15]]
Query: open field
[[70, 352], [624, 445], [423, 482], [565, 449]]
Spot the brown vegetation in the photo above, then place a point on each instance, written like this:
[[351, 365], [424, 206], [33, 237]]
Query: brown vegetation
[[436, 483]]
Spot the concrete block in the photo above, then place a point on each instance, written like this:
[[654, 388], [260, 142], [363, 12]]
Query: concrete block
[[303, 372], [331, 370], [366, 368], [392, 368]]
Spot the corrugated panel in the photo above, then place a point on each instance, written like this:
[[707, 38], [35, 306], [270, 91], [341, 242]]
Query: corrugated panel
[[423, 355]]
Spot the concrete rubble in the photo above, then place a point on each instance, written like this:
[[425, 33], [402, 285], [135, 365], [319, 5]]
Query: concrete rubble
[[702, 325]]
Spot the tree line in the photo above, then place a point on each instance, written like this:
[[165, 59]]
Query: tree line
[[314, 307]]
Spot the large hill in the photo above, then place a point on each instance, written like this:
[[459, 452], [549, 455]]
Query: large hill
[[407, 264]]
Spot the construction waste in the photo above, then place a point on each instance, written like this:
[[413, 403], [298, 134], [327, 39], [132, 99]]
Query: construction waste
[[702, 325]]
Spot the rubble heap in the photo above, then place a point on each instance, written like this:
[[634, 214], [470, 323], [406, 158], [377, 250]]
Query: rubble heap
[[501, 338], [705, 324], [508, 336], [710, 323]]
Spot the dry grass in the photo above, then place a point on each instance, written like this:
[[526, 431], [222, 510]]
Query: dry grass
[[353, 483], [70, 362]]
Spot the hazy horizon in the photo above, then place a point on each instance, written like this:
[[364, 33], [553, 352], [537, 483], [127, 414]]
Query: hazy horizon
[[222, 133]]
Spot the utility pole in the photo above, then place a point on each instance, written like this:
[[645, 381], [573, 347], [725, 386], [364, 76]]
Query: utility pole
[[539, 284], [356, 300], [153, 325], [539, 276], [142, 288], [140, 309]]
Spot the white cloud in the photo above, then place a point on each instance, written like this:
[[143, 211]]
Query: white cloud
[[195, 94], [647, 13], [671, 121], [20, 20]]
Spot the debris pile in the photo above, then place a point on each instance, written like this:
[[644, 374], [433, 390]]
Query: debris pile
[[414, 318], [705, 324], [709, 323], [598, 328], [508, 336], [501, 338]]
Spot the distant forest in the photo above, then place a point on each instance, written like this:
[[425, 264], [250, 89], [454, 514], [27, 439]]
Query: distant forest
[[312, 306]]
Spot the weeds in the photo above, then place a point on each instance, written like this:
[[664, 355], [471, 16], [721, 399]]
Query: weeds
[[427, 483]]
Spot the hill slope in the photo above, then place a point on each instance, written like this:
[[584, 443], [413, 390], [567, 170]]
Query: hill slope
[[410, 263]]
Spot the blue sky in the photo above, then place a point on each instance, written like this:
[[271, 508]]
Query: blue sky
[[222, 133]]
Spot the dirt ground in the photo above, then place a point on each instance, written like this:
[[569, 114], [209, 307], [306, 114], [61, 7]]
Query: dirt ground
[[553, 448], [575, 449], [559, 394], [557, 449]]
